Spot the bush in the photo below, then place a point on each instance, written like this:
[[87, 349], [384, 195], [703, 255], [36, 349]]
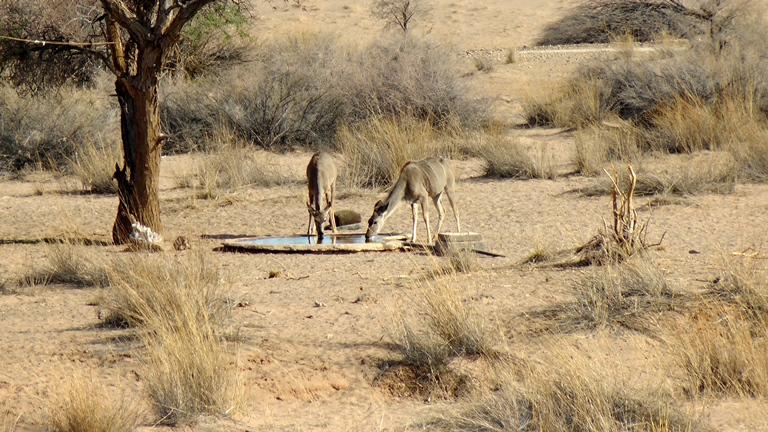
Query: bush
[[177, 306], [505, 159], [376, 150], [48, 130], [35, 68], [84, 405], [602, 21], [682, 103], [299, 90]]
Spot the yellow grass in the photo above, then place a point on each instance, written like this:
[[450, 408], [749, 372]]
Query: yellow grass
[[85, 405]]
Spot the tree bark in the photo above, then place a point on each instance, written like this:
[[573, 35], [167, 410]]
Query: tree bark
[[142, 149]]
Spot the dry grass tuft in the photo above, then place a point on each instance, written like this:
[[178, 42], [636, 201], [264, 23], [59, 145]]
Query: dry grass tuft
[[69, 264], [505, 159], [448, 327], [94, 163], [160, 288], [188, 372], [176, 303], [461, 260], [633, 295], [376, 150], [722, 345], [83, 405], [568, 394], [722, 353]]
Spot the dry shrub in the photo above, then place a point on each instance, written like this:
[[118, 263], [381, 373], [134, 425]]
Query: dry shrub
[[93, 163], [148, 289], [302, 86], [177, 304], [48, 129], [508, 159], [632, 295], [598, 145], [84, 405], [684, 175], [722, 353], [570, 393], [70, 264], [601, 21], [448, 327], [32, 67], [234, 166], [625, 236], [375, 150], [286, 97]]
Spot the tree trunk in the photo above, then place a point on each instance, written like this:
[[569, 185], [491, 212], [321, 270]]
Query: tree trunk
[[142, 148]]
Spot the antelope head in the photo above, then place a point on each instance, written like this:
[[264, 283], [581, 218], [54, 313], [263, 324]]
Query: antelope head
[[319, 216], [376, 221]]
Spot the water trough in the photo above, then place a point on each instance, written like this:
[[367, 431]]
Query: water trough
[[330, 243]]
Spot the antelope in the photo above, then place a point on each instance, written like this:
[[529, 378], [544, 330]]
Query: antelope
[[418, 180], [321, 179]]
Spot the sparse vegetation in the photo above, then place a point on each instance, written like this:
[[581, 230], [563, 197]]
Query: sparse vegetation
[[177, 305], [450, 327], [85, 405], [632, 295], [374, 151], [508, 159], [70, 264], [565, 395], [93, 164]]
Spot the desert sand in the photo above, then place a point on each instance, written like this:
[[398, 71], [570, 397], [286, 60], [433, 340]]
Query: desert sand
[[314, 336]]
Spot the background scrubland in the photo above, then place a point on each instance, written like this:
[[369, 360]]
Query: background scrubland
[[541, 105]]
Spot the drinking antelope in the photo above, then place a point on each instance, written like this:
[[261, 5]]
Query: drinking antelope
[[321, 180], [418, 180]]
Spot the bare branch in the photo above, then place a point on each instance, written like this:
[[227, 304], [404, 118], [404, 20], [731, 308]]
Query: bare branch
[[117, 10]]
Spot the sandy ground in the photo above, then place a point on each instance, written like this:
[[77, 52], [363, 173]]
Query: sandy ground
[[312, 337]]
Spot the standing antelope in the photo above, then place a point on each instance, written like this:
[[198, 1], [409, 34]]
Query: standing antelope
[[321, 179], [419, 180]]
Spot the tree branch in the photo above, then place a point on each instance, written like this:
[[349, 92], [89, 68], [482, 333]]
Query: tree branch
[[117, 11], [185, 13]]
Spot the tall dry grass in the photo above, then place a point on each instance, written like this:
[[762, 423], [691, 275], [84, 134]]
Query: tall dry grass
[[721, 346], [176, 303], [722, 353], [681, 175], [504, 158], [82, 404], [374, 151], [231, 165], [633, 295], [48, 129], [70, 264], [568, 393], [93, 164], [678, 102]]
